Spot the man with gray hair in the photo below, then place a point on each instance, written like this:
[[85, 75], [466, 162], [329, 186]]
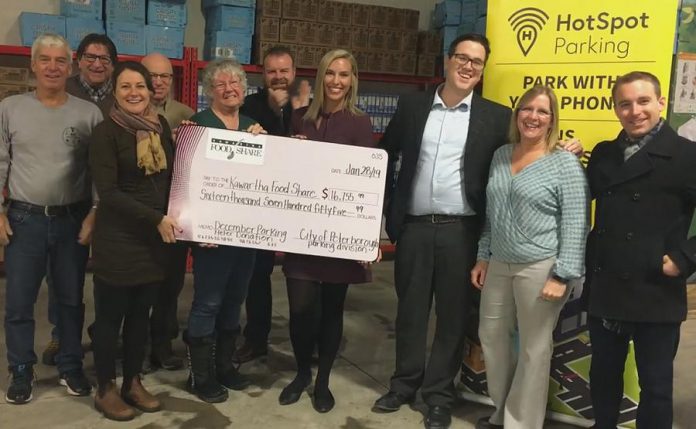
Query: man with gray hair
[[49, 214]]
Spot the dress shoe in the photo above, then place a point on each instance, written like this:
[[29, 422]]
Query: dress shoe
[[323, 401], [438, 417], [108, 402], [136, 396], [390, 402], [162, 356], [484, 423], [248, 352], [292, 392]]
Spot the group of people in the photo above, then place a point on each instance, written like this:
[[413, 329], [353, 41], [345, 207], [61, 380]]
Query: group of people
[[485, 198]]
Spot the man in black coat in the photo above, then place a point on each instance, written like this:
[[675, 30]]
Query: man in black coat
[[445, 139], [638, 254]]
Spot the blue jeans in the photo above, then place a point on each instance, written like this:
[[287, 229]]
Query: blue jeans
[[39, 240], [220, 281]]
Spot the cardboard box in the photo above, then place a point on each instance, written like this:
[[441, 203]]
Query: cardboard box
[[207, 4], [14, 75], [378, 16], [325, 34], [361, 57], [376, 61], [230, 18], [168, 41], [429, 42], [227, 44], [342, 36], [344, 13], [393, 40], [308, 56], [394, 18], [410, 19], [407, 63], [9, 90], [132, 11], [425, 65], [409, 41], [390, 63], [167, 13], [289, 31], [378, 39], [308, 33], [34, 24], [360, 16], [469, 11], [360, 38], [447, 12], [128, 37], [77, 28], [326, 11], [267, 29], [449, 33], [86, 9], [301, 10], [269, 8], [473, 356]]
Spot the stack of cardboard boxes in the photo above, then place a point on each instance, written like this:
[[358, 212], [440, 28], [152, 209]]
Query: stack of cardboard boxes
[[229, 26], [429, 52], [125, 24], [382, 39]]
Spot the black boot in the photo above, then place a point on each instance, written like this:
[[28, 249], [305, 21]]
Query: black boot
[[227, 373], [201, 381]]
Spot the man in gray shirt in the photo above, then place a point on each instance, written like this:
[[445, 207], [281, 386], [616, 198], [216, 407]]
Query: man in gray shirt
[[49, 214]]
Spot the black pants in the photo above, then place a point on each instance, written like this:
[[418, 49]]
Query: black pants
[[114, 305], [259, 302], [655, 348], [164, 324], [432, 260], [306, 298]]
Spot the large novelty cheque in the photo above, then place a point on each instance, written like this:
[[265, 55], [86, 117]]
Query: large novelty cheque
[[278, 193]]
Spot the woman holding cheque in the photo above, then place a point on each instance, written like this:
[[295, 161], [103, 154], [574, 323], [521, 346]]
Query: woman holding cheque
[[532, 245], [319, 284], [131, 162], [221, 274]]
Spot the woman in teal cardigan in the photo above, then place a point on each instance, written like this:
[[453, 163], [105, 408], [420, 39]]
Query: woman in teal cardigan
[[221, 274]]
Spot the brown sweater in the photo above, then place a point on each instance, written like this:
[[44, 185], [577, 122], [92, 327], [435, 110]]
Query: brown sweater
[[127, 249]]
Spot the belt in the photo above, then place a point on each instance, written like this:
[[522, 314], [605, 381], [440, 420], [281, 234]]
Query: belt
[[437, 218], [48, 210]]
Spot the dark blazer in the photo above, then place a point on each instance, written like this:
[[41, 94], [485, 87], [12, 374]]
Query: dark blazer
[[256, 107], [75, 88], [643, 211], [488, 128], [127, 249]]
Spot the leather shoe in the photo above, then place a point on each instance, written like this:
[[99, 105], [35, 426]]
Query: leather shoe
[[438, 417], [484, 423], [292, 392], [390, 402], [323, 402], [249, 352]]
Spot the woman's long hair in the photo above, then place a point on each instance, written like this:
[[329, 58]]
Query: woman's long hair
[[316, 107]]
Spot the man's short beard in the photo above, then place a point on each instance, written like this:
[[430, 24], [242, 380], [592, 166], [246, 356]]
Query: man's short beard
[[280, 83]]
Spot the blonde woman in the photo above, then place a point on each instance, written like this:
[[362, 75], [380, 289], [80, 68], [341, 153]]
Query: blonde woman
[[532, 245], [319, 284]]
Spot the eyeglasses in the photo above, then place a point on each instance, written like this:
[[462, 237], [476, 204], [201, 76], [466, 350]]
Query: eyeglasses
[[164, 77], [529, 111], [90, 58], [221, 86], [464, 59]]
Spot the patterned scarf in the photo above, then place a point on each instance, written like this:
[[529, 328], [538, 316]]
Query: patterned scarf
[[147, 129]]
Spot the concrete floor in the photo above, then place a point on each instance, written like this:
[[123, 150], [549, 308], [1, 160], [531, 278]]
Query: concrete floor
[[361, 375]]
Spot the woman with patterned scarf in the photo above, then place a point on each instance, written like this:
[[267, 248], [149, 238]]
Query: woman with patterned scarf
[[130, 158]]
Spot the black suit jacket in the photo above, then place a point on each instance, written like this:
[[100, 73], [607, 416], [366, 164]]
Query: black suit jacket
[[643, 211], [488, 129]]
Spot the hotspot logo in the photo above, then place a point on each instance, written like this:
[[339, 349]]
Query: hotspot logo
[[527, 23]]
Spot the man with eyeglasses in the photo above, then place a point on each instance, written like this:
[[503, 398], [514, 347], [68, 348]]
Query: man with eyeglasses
[[96, 57], [445, 139], [164, 325]]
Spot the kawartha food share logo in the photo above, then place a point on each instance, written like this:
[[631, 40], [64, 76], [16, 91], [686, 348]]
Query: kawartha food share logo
[[527, 23]]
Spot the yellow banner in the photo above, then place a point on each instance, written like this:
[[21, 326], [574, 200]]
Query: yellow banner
[[579, 48]]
